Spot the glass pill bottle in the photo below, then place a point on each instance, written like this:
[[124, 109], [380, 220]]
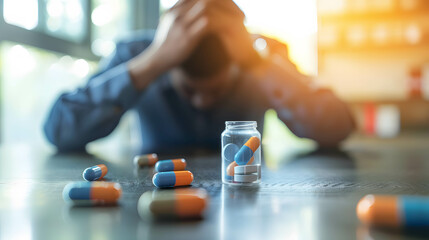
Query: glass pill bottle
[[241, 153]]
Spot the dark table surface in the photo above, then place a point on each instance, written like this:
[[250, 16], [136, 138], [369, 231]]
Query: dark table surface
[[311, 195]]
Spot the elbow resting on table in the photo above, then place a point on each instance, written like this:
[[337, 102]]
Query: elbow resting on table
[[331, 120], [63, 144], [333, 138], [334, 130], [328, 125]]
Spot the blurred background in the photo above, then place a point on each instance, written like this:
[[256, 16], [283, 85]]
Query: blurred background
[[373, 53]]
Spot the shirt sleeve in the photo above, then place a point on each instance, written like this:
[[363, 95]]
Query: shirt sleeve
[[93, 111], [309, 112]]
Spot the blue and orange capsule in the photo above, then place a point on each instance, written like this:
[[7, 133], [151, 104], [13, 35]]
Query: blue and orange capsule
[[172, 179], [146, 160], [177, 203], [246, 152], [170, 165], [92, 192], [394, 211], [95, 172]]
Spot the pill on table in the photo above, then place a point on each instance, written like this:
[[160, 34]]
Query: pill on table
[[146, 160], [170, 165], [248, 178], [229, 151], [246, 151], [95, 172], [394, 211], [172, 179], [178, 203], [92, 192], [246, 169], [231, 166]]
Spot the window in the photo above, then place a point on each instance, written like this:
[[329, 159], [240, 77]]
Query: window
[[65, 19], [110, 21], [31, 80], [25, 17], [45, 49]]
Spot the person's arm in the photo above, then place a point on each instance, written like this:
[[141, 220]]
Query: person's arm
[[309, 112], [312, 113], [93, 112]]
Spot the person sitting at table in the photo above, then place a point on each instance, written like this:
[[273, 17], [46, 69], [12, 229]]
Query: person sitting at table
[[198, 70]]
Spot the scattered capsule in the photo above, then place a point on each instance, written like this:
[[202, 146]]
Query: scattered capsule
[[177, 203], [146, 160], [92, 192], [231, 167], [246, 152], [170, 165], [94, 173], [172, 179], [394, 211]]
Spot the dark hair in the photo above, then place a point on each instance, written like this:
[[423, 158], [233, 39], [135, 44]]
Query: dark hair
[[208, 58]]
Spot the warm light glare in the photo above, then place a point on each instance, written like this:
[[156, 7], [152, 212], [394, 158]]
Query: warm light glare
[[382, 5], [22, 13], [292, 22], [356, 35], [380, 34], [328, 36], [282, 18], [331, 6], [409, 4], [412, 34], [357, 6]]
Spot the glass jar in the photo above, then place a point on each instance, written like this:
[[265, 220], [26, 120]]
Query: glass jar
[[241, 153]]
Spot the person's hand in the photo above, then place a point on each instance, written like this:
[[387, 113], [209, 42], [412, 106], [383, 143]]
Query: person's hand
[[188, 21], [184, 25], [179, 32], [231, 29]]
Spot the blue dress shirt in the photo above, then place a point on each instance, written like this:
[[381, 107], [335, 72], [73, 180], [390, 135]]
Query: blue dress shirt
[[168, 122]]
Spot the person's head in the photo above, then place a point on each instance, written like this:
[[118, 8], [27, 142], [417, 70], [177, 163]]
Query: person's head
[[205, 77], [209, 58], [205, 93]]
